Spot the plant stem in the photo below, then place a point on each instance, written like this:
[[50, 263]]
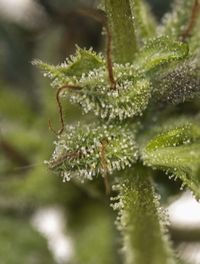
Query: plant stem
[[141, 220], [122, 30]]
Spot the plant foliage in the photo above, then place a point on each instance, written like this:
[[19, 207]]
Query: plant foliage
[[142, 94]]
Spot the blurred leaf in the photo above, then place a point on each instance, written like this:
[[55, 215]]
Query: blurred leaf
[[15, 106], [19, 243], [94, 236], [175, 22]]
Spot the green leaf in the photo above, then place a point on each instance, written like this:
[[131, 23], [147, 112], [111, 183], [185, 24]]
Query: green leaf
[[177, 151], [144, 21], [84, 151], [73, 68], [175, 137], [141, 220], [159, 51], [121, 25]]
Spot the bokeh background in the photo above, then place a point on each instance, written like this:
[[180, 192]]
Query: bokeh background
[[42, 219]]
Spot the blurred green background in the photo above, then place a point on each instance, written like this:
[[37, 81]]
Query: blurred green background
[[42, 219]]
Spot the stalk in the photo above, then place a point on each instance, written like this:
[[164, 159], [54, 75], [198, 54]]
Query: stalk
[[120, 21], [141, 221]]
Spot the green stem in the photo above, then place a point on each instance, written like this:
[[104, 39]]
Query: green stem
[[122, 30], [141, 220]]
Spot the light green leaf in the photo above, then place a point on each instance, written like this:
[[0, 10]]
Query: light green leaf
[[73, 68], [141, 220], [177, 151], [159, 51]]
